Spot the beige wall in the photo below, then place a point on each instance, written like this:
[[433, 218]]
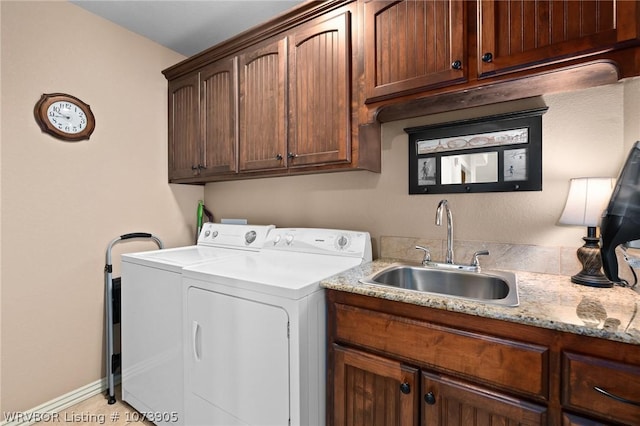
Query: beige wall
[[585, 133], [63, 202]]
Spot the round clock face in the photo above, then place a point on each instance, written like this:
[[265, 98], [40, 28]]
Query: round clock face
[[67, 117], [64, 117]]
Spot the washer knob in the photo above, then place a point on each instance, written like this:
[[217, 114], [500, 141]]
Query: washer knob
[[277, 239], [343, 241], [207, 233], [215, 234], [250, 237], [289, 239]]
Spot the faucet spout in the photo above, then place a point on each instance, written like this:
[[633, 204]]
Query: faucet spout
[[444, 205]]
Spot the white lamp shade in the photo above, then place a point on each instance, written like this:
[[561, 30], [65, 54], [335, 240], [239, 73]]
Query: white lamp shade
[[587, 199]]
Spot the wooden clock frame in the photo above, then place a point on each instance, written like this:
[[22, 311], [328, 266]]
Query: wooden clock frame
[[40, 113]]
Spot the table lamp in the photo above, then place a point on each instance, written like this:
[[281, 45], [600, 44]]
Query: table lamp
[[587, 199]]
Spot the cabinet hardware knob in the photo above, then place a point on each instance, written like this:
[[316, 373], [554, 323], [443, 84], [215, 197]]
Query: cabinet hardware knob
[[291, 155], [200, 166], [487, 57], [456, 65], [278, 156], [194, 168], [430, 398], [405, 388], [616, 397]]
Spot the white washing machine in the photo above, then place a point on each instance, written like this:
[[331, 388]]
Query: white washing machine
[[255, 326], [151, 316]]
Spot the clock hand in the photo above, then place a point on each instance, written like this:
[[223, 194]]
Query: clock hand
[[66, 117]]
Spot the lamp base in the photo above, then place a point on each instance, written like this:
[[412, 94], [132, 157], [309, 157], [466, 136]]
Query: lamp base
[[591, 280], [589, 255]]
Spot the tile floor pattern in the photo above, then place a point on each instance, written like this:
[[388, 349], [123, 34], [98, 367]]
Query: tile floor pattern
[[96, 411]]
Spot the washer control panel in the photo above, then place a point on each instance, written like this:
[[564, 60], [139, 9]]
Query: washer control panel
[[320, 241], [227, 235]]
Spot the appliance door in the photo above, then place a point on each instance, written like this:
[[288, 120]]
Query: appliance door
[[236, 359]]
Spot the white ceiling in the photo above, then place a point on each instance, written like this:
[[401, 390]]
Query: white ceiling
[[187, 26]]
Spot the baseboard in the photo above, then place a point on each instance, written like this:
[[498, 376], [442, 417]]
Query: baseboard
[[47, 411]]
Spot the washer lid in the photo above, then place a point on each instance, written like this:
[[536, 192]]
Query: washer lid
[[177, 258]]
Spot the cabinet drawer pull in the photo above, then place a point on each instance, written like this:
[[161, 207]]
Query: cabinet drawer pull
[[405, 388], [616, 397], [487, 57], [430, 398], [278, 157], [194, 168], [456, 65], [292, 155]]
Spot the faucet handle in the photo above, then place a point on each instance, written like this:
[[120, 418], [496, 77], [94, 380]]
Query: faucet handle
[[427, 254], [474, 261]]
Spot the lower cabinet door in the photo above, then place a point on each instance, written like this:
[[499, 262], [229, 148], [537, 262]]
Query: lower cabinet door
[[371, 390], [447, 401]]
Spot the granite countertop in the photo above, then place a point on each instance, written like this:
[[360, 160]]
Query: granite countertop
[[548, 301]]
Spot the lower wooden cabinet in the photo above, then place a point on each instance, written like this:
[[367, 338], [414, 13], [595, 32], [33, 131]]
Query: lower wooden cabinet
[[447, 401], [392, 363], [371, 390]]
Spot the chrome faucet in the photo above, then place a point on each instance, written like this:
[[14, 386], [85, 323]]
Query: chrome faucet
[[445, 205]]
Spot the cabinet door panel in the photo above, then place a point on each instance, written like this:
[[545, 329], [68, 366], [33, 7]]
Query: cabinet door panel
[[411, 45], [319, 93], [218, 86], [367, 390], [521, 34], [263, 141], [184, 127], [448, 401]]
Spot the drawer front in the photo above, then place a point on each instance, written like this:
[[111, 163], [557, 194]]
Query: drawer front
[[506, 363], [581, 375]]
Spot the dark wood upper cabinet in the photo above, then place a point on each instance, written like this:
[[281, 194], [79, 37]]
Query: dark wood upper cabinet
[[413, 45], [306, 92], [320, 93], [263, 115], [218, 110], [520, 34], [184, 127]]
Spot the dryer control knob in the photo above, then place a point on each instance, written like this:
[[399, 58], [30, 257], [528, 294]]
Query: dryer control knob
[[250, 237], [277, 239], [207, 233], [289, 239], [215, 234], [342, 241]]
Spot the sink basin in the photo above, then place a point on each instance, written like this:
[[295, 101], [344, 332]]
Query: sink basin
[[493, 287]]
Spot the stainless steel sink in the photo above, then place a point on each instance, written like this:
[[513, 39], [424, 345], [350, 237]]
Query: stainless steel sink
[[493, 287]]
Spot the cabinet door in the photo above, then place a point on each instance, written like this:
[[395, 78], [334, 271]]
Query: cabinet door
[[319, 93], [219, 112], [448, 401], [184, 127], [263, 139], [520, 34], [411, 45], [370, 390]]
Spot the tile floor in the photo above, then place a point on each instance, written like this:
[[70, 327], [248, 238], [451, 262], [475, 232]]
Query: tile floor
[[96, 411]]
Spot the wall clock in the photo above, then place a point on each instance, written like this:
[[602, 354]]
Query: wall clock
[[64, 116]]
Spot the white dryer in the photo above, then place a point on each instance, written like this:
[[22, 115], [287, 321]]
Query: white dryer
[[255, 329], [151, 316]]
